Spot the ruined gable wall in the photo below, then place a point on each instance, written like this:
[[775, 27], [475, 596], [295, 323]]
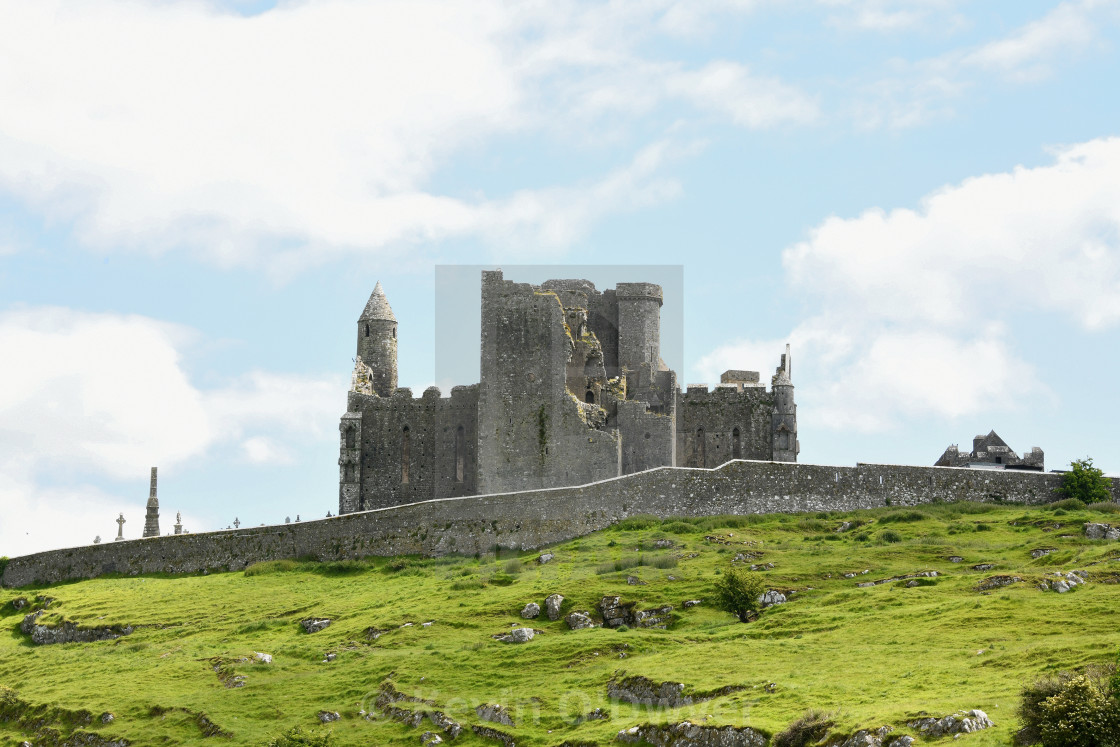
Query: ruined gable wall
[[533, 519]]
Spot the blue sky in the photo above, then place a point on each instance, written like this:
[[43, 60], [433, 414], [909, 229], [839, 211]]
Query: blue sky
[[196, 198]]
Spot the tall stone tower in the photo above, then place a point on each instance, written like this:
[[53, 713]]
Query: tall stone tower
[[377, 342], [784, 416], [151, 519]]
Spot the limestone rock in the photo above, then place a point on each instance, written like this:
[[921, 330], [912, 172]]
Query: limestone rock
[[517, 635], [67, 632], [956, 559], [957, 723], [450, 726], [314, 625], [531, 610], [494, 713], [579, 621], [501, 737], [635, 581], [663, 544], [659, 617], [1112, 534], [771, 598], [614, 612], [1063, 582], [19, 603], [552, 606], [107, 718], [326, 717], [430, 739], [692, 603], [995, 582], [687, 734], [545, 558], [1095, 531], [262, 658], [983, 566], [1042, 551]]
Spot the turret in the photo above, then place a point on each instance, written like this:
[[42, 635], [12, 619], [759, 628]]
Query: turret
[[377, 342], [639, 326], [783, 418]]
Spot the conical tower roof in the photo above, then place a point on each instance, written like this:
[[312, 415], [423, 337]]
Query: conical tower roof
[[378, 306]]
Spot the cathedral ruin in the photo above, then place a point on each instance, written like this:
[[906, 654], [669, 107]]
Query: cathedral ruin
[[572, 390]]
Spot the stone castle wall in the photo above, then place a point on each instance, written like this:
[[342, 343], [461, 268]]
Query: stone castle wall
[[718, 413], [532, 519]]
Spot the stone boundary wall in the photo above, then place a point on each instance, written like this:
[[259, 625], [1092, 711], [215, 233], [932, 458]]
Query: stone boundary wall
[[528, 520]]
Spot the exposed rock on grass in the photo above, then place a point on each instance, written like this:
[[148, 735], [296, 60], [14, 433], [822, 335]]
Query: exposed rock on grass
[[1095, 531], [531, 611], [957, 723], [1063, 582], [314, 625], [686, 734], [326, 717], [644, 691], [494, 713], [205, 725], [517, 635], [498, 736], [68, 632], [919, 574], [878, 738], [552, 606], [1042, 552], [995, 582], [579, 621]]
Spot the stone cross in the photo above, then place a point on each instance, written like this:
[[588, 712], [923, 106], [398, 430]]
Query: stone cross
[[120, 528], [97, 540], [236, 523]]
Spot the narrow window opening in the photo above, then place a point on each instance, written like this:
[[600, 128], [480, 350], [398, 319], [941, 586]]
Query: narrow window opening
[[394, 333], [350, 438], [406, 453], [367, 330], [736, 445], [701, 456], [459, 456], [589, 398]]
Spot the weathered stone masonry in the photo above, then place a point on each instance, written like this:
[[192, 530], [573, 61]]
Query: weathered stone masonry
[[531, 519]]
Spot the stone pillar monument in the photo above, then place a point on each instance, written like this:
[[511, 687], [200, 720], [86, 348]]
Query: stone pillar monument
[[151, 520], [178, 522], [120, 528]]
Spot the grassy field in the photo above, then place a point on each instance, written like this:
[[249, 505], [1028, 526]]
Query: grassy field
[[873, 656]]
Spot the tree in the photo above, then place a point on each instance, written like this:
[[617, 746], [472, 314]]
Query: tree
[[737, 592], [1085, 482]]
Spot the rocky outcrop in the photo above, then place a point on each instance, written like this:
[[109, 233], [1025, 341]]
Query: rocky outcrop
[[531, 611], [1063, 582], [1095, 531], [545, 558], [874, 738], [686, 734], [995, 582], [1042, 552], [957, 723], [644, 691], [658, 617], [430, 739], [326, 717], [68, 632], [314, 625], [494, 713], [614, 612], [517, 635], [579, 621], [617, 613], [498, 736], [552, 606], [771, 598]]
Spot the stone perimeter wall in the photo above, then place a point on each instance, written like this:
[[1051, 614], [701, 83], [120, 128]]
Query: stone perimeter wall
[[531, 519]]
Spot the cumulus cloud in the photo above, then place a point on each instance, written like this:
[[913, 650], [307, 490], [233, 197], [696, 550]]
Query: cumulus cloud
[[912, 308], [319, 126], [85, 395]]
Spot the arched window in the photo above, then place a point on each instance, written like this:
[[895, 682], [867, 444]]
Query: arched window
[[406, 453], [701, 456], [367, 330], [460, 457], [589, 398], [736, 447]]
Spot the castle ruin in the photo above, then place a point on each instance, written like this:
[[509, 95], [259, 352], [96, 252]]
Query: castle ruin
[[572, 390]]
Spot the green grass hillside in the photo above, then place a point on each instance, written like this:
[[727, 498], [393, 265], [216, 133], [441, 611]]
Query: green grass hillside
[[876, 655]]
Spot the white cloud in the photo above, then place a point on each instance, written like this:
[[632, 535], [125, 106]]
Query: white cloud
[[748, 100], [912, 308], [894, 15], [106, 393], [156, 125]]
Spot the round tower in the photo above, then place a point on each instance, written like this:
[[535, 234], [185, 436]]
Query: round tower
[[639, 324], [377, 342]]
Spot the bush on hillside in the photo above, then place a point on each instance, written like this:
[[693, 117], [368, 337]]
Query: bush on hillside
[[737, 592], [1071, 710], [809, 729], [1069, 504], [1105, 507], [297, 737], [1085, 482], [889, 536], [902, 516]]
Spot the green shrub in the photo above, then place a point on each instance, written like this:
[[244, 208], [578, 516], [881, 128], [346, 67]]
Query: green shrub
[[1085, 482], [466, 584], [633, 561], [889, 536], [678, 527], [622, 628], [810, 728], [512, 567], [1069, 504], [737, 592], [902, 516], [983, 527], [862, 537], [1105, 507], [297, 737], [1070, 710], [813, 525], [501, 579]]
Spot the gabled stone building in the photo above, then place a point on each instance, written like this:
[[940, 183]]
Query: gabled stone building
[[991, 452], [573, 390]]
